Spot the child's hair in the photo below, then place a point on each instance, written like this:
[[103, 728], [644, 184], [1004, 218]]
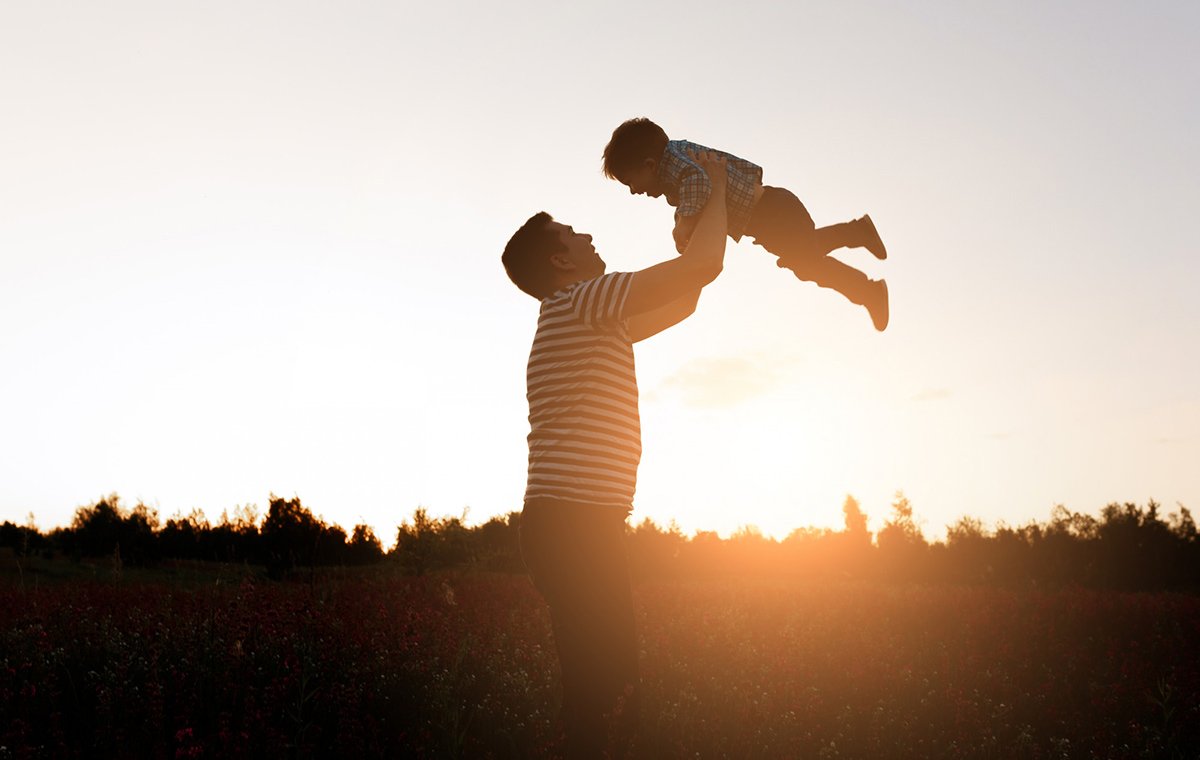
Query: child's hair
[[631, 144], [526, 258]]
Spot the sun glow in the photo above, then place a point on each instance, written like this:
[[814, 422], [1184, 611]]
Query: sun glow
[[781, 459]]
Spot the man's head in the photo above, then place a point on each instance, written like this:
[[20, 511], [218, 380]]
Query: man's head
[[632, 154], [545, 256]]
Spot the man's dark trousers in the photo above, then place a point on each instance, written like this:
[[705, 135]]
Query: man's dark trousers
[[575, 554]]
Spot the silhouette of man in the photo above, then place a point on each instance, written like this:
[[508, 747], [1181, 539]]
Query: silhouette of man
[[584, 448]]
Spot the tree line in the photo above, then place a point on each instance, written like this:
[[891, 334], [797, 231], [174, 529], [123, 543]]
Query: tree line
[[1127, 546]]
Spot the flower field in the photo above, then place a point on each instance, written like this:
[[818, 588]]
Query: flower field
[[376, 664]]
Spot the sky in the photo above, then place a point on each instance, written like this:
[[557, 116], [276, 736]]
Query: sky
[[253, 248]]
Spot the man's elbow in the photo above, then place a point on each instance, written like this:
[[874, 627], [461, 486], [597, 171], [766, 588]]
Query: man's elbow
[[709, 272], [704, 260]]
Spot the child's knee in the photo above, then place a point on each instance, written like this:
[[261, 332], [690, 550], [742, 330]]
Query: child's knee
[[804, 266]]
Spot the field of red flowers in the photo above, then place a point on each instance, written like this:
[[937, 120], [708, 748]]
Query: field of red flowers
[[462, 665]]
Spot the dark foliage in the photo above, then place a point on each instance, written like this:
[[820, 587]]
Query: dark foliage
[[292, 536], [1058, 639], [1126, 547], [374, 662], [106, 529]]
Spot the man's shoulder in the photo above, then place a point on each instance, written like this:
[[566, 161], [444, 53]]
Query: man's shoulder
[[597, 305], [582, 287]]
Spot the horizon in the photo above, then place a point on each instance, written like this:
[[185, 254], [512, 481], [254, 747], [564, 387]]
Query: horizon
[[874, 522]]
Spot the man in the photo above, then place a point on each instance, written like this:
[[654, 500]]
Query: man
[[585, 444]]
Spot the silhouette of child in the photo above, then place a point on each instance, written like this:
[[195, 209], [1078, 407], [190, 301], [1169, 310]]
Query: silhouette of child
[[642, 157]]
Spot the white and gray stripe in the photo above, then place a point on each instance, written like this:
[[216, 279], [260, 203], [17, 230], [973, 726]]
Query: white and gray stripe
[[585, 435]]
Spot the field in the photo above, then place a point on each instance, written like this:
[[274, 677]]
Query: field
[[222, 663]]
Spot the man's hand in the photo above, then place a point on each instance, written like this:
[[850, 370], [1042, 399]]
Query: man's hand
[[666, 293], [684, 226], [714, 165], [671, 288]]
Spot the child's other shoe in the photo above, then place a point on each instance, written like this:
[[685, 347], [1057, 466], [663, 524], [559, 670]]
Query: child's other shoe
[[877, 305], [871, 240]]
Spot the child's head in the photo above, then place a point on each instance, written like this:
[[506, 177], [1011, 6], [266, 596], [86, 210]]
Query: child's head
[[544, 255], [631, 156]]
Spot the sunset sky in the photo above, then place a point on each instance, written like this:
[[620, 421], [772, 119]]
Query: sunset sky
[[253, 247]]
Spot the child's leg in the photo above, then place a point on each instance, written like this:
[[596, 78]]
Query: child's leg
[[781, 224], [859, 233], [828, 272]]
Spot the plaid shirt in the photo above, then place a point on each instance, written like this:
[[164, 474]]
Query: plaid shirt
[[687, 187]]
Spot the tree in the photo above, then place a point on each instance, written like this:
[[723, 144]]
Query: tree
[[901, 528], [967, 549], [1182, 525], [856, 522], [498, 543], [652, 550], [180, 537], [902, 547], [291, 536], [106, 528], [428, 543], [364, 548]]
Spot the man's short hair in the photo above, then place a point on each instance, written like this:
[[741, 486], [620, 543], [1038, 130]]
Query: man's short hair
[[631, 144], [526, 258]]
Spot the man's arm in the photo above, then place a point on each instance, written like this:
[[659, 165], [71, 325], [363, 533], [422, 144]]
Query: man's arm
[[682, 233], [695, 188], [666, 293], [653, 322]]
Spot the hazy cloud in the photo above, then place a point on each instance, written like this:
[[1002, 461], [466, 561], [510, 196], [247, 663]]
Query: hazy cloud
[[711, 382], [933, 394]]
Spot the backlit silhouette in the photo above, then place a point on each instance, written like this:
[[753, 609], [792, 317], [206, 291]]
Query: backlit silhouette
[[585, 445], [641, 157]]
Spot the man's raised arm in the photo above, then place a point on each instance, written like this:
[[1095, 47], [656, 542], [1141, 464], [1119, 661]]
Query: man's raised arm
[[664, 294]]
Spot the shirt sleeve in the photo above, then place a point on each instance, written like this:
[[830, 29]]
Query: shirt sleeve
[[600, 303]]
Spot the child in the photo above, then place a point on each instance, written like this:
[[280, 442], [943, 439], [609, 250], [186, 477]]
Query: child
[[642, 157]]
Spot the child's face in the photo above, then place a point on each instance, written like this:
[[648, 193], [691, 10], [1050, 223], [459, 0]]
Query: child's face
[[642, 180]]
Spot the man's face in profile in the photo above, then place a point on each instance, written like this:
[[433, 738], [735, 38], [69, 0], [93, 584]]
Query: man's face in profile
[[580, 251]]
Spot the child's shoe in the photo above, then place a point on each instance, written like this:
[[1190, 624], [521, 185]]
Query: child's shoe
[[877, 305], [871, 240]]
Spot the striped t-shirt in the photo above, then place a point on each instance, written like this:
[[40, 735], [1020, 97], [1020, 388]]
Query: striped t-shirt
[[585, 436]]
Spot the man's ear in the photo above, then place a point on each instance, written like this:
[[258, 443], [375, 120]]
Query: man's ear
[[651, 163], [562, 261]]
